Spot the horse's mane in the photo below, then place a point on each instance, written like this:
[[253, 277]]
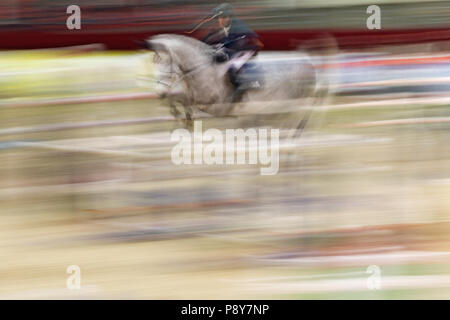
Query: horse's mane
[[185, 40]]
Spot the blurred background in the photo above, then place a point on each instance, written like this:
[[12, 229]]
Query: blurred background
[[86, 177]]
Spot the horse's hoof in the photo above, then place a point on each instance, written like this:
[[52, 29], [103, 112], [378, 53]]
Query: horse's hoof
[[175, 113], [189, 125]]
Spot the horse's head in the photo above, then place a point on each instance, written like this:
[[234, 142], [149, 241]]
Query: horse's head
[[166, 71], [185, 52], [181, 57]]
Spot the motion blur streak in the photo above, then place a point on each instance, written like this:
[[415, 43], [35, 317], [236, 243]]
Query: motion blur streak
[[86, 177]]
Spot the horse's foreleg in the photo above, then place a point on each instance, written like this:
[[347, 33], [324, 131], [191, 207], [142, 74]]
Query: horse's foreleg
[[188, 122], [173, 109], [173, 98], [179, 98]]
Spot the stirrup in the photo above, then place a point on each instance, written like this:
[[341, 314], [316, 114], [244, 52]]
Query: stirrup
[[251, 85], [237, 95]]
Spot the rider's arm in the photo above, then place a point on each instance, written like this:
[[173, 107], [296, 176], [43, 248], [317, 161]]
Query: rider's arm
[[211, 38], [254, 44]]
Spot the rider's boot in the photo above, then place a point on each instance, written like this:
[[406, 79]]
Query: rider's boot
[[233, 74], [238, 88]]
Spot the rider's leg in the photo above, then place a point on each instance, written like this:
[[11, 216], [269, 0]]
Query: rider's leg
[[239, 89], [238, 63], [233, 74]]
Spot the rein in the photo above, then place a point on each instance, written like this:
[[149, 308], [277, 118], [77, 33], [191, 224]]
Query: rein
[[184, 72], [187, 72]]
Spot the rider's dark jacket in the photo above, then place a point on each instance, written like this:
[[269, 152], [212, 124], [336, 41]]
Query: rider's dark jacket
[[239, 38]]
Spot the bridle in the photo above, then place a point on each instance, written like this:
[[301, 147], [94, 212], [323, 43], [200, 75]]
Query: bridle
[[184, 72]]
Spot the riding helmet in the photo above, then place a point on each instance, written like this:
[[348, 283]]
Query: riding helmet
[[223, 10]]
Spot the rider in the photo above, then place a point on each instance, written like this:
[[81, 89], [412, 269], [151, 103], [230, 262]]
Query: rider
[[233, 38]]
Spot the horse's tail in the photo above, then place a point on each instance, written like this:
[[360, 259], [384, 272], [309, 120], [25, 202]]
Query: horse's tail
[[320, 54], [324, 51]]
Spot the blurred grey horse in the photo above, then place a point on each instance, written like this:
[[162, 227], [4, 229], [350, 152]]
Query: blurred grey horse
[[188, 75]]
